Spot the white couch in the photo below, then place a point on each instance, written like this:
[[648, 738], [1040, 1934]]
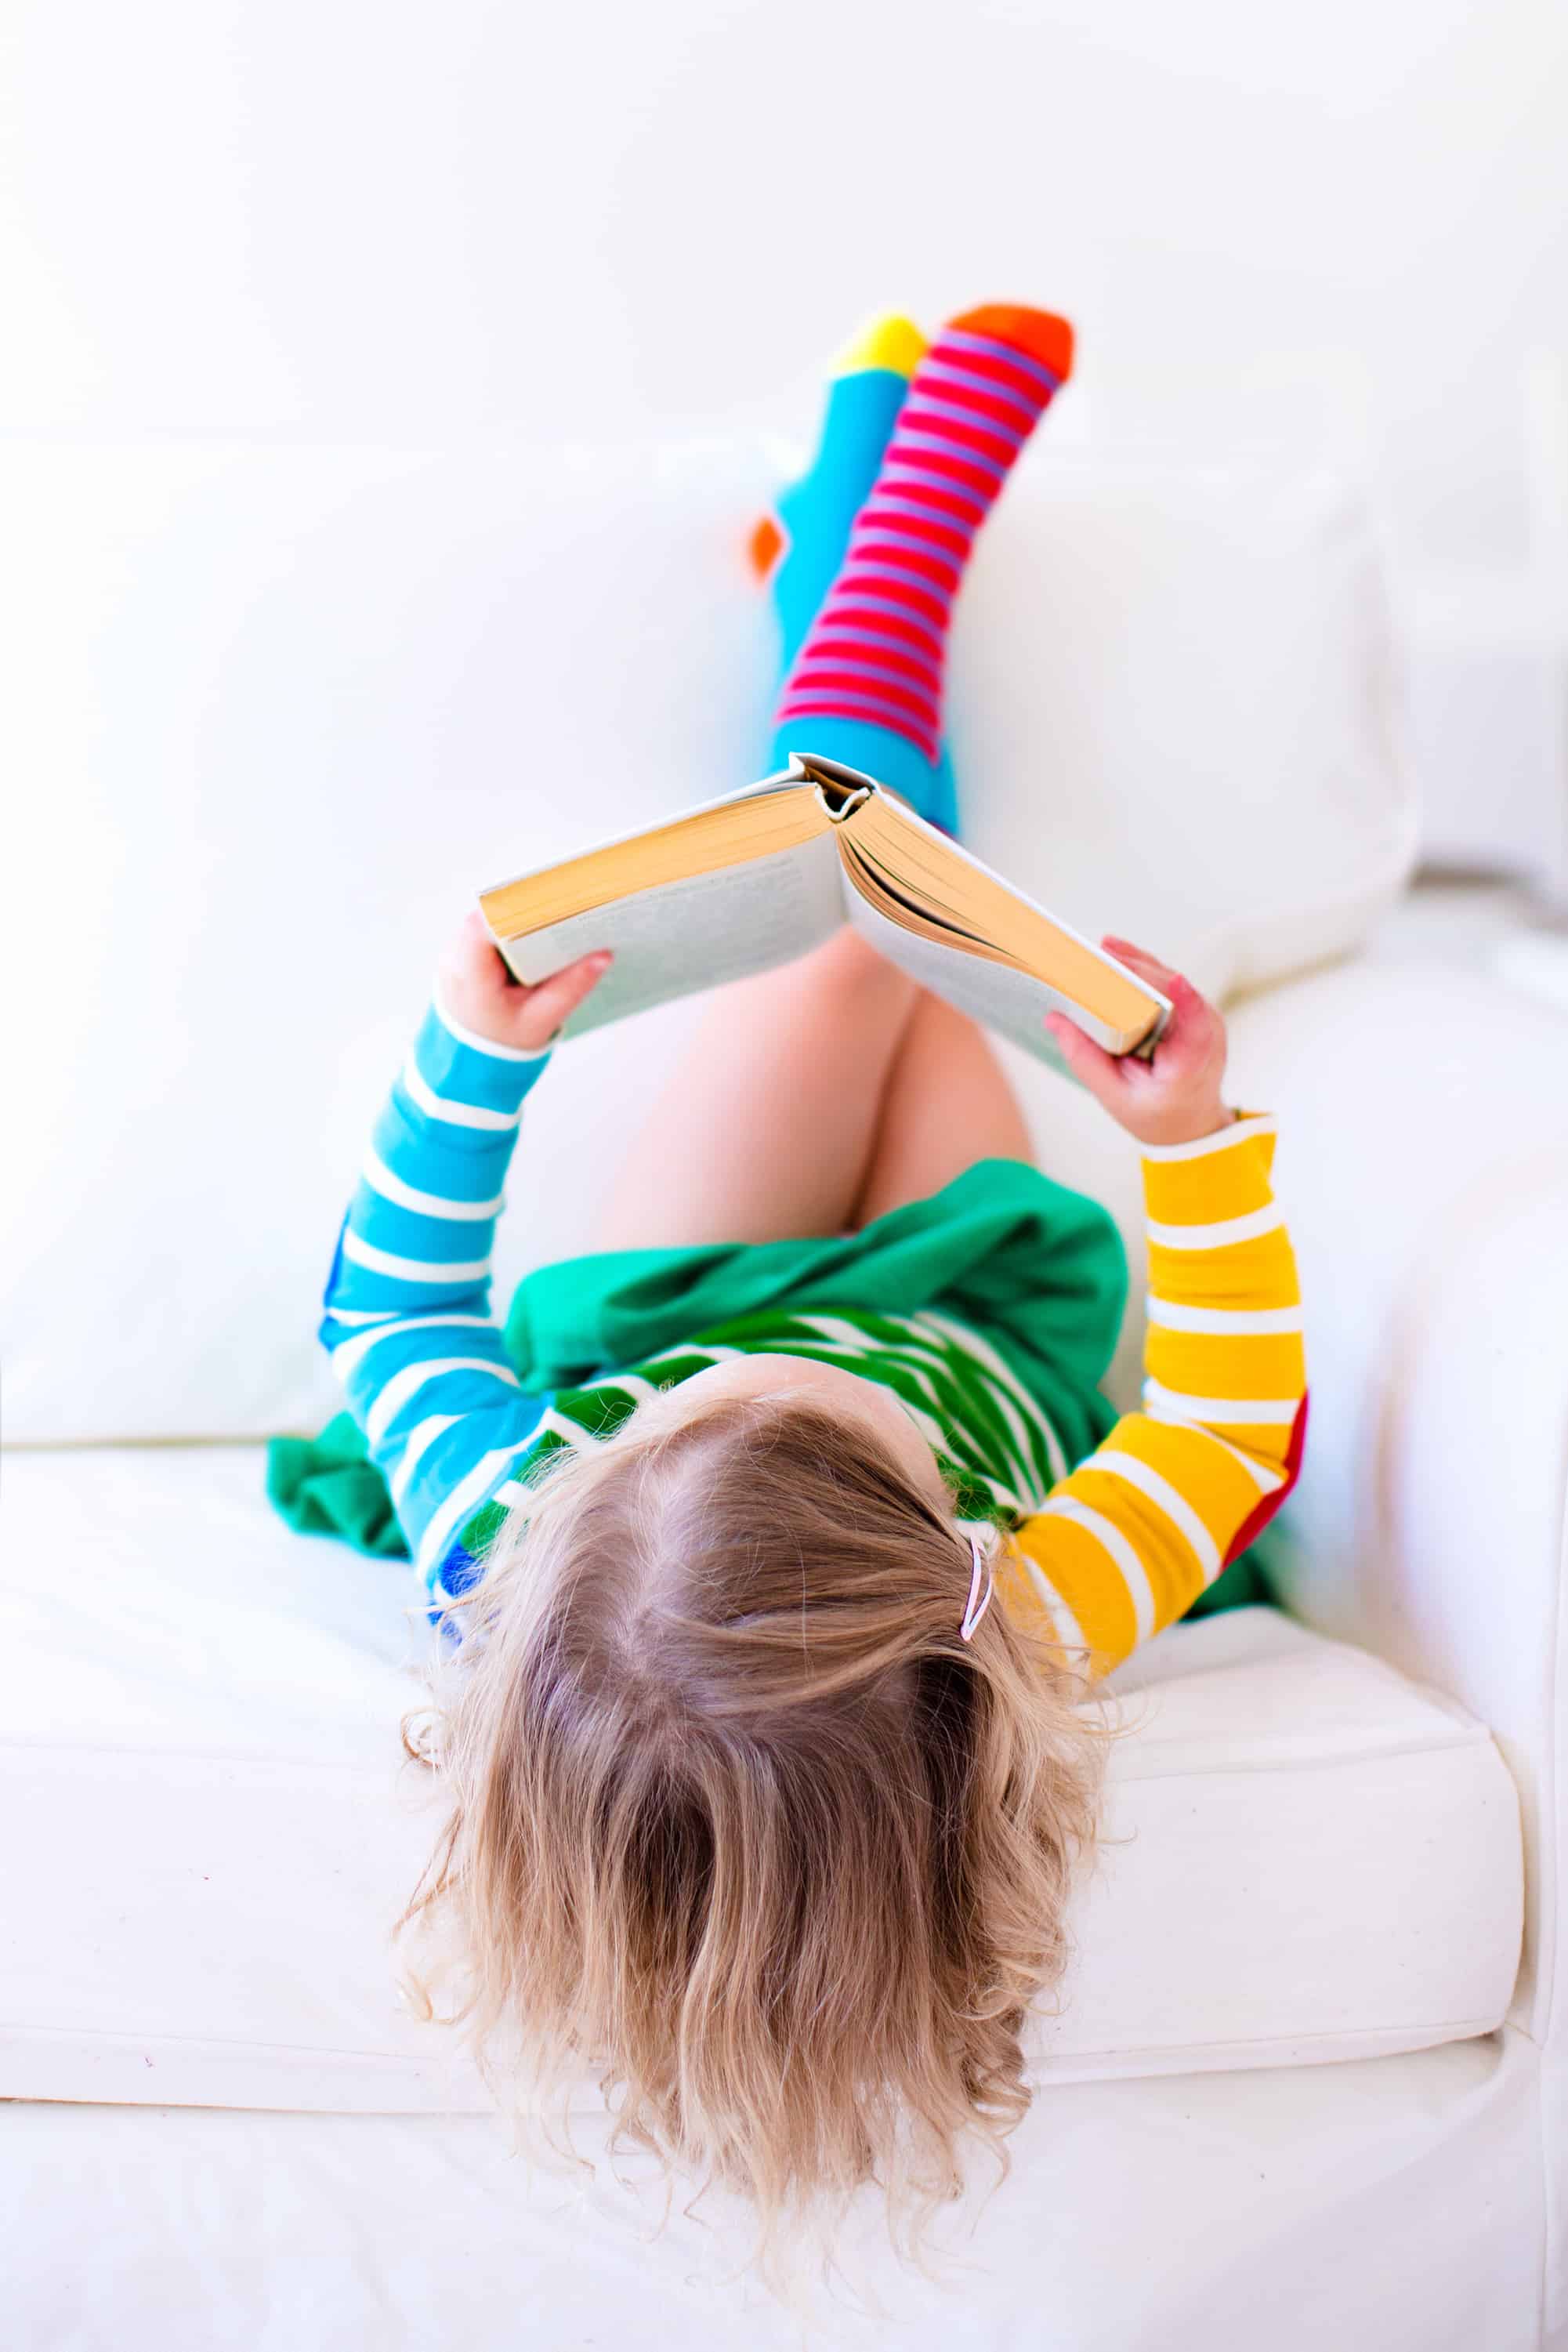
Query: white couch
[[277, 712]]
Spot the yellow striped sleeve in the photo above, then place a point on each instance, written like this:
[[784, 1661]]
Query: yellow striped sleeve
[[1127, 1543]]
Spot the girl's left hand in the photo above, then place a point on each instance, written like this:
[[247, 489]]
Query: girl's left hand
[[476, 987], [1177, 1096]]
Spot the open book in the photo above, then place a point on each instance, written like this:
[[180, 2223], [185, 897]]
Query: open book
[[762, 875]]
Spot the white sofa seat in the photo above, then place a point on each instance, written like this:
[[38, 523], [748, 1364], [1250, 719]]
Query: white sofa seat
[[1306, 1856], [254, 689], [1386, 2204]]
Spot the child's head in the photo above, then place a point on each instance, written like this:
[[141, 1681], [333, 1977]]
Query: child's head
[[739, 1819]]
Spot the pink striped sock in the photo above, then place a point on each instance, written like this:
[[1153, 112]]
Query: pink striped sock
[[874, 654]]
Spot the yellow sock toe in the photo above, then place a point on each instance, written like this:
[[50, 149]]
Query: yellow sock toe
[[887, 342]]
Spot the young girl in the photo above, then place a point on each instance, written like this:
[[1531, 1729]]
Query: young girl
[[786, 1533]]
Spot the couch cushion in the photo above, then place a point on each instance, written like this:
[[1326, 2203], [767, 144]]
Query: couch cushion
[[205, 1832], [283, 711]]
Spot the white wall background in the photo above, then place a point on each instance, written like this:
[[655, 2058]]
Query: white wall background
[[385, 221], [374, 221], [288, 290]]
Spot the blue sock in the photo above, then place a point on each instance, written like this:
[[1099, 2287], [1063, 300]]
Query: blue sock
[[801, 550]]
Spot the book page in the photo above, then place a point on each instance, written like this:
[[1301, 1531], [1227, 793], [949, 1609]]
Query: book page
[[954, 891], [694, 933], [765, 817], [998, 995]]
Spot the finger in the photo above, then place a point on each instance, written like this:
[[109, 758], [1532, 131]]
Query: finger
[[1150, 968], [477, 938], [1101, 1072], [555, 999], [1189, 1035], [473, 957], [1141, 960]]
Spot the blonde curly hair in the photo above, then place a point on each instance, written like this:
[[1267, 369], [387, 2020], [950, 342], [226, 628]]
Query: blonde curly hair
[[739, 1823]]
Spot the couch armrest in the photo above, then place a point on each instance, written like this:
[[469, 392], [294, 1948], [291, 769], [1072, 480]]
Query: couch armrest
[[1423, 1162]]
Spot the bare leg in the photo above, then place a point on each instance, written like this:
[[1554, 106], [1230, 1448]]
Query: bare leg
[[947, 1103], [813, 1099], [767, 1129]]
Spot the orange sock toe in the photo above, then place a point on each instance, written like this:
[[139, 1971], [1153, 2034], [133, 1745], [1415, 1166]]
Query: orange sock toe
[[1038, 334]]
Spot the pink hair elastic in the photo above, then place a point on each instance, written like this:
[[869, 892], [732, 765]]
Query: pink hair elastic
[[978, 1602]]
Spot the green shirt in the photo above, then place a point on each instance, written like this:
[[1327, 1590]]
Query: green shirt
[[991, 1438]]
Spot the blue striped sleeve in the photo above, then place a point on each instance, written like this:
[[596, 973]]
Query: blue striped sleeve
[[407, 1319]]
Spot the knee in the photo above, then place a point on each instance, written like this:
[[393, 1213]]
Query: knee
[[853, 962]]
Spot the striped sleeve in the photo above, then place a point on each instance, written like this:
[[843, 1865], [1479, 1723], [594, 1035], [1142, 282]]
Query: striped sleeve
[[407, 1319], [1126, 1544]]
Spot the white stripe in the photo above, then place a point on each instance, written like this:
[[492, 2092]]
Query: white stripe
[[1114, 1542], [512, 1491], [1219, 1234], [412, 1269], [1252, 1412], [1240, 1130], [855, 1344], [1265, 1479], [484, 1045], [1222, 1322], [711, 1355], [362, 1314], [1069, 1632], [631, 1383], [969, 1343], [381, 1179], [834, 1336], [572, 1430], [464, 1501], [407, 1383], [1160, 1491], [422, 1438], [837, 1338], [1026, 1475], [455, 1114], [1027, 1489], [347, 1353]]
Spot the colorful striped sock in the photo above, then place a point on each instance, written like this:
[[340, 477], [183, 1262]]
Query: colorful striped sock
[[866, 684], [798, 549]]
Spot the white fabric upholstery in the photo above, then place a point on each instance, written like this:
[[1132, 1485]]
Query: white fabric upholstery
[[274, 714], [1388, 2202], [1423, 1155], [1306, 1857], [1425, 1167], [276, 710]]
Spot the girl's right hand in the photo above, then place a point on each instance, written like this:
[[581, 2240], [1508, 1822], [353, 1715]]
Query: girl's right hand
[[1176, 1097], [476, 987]]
